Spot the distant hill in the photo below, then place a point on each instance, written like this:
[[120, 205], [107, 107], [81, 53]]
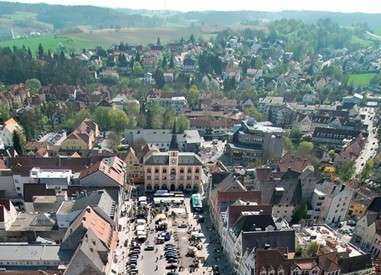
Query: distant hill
[[22, 20], [235, 17], [72, 16]]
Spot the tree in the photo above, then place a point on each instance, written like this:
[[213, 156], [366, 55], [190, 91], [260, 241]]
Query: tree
[[40, 51], [132, 108], [300, 213], [172, 62], [305, 148], [169, 118], [295, 135], [193, 96], [164, 63], [253, 112], [4, 112], [154, 114], [137, 68], [346, 170], [101, 117], [288, 145], [72, 120], [159, 78], [312, 249], [19, 141], [118, 120], [182, 124], [33, 85]]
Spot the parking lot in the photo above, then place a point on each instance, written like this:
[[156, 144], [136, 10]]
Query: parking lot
[[176, 242]]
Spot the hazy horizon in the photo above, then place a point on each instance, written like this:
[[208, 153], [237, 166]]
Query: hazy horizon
[[364, 6]]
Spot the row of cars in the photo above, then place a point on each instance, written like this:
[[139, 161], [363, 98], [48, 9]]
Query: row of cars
[[171, 255], [133, 256]]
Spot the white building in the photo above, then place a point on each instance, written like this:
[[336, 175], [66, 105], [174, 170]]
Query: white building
[[52, 178], [330, 202]]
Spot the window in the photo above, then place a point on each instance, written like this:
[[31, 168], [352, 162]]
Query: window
[[189, 177], [156, 170], [263, 271], [181, 170], [164, 170], [148, 170], [197, 170], [189, 170]]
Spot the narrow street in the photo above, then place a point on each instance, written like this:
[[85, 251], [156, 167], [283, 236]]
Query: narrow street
[[371, 145]]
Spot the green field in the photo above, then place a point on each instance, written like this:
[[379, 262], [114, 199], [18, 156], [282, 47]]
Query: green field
[[377, 31], [142, 36], [105, 38], [360, 80], [49, 42], [361, 42]]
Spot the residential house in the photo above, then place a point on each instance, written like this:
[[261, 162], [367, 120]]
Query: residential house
[[189, 65], [177, 103], [330, 202], [8, 214], [214, 119], [82, 138], [91, 240], [105, 173], [6, 132], [284, 193], [333, 137], [368, 228]]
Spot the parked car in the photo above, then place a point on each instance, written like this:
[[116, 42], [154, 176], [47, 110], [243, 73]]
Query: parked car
[[171, 266], [149, 248]]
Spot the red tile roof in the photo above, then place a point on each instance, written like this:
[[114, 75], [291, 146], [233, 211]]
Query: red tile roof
[[293, 162]]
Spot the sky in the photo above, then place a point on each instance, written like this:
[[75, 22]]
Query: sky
[[368, 6]]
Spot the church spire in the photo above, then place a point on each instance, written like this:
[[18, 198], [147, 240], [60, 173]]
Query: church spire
[[174, 146]]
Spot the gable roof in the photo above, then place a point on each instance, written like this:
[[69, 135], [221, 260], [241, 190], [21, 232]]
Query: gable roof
[[96, 220], [293, 162], [111, 167], [90, 257]]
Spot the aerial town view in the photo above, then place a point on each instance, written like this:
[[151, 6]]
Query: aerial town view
[[205, 137]]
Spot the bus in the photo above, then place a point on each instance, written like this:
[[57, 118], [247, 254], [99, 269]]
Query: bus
[[196, 203]]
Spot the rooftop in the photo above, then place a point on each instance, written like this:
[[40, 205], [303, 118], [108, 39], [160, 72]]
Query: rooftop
[[31, 252], [327, 238], [264, 126], [50, 173]]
